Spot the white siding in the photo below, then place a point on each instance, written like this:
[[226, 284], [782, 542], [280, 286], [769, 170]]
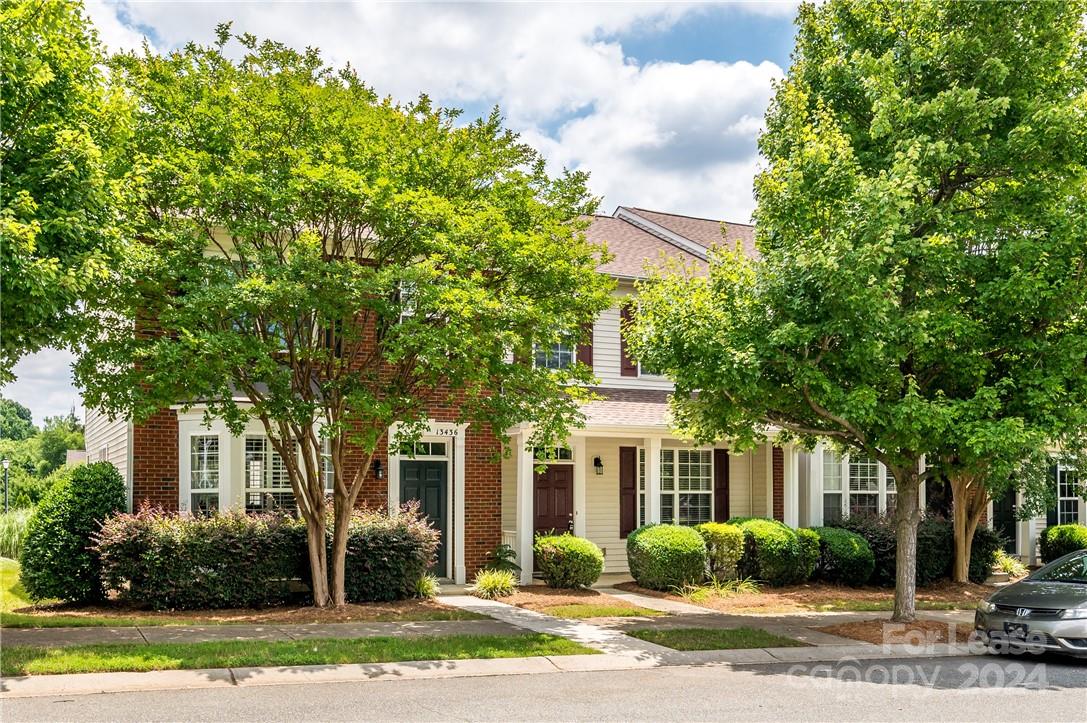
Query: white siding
[[606, 357], [108, 440]]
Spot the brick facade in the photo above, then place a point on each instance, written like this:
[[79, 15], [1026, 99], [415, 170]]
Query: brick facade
[[779, 484], [155, 462]]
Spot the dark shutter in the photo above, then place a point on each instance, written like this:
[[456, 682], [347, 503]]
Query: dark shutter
[[720, 485], [628, 490], [627, 366], [1051, 514], [585, 349]]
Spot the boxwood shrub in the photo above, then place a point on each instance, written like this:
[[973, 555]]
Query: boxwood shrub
[[57, 560], [724, 548], [566, 561], [774, 553], [844, 557], [662, 557], [1059, 540]]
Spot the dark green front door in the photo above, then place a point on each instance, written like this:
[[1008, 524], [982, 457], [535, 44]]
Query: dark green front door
[[425, 481], [1004, 520]]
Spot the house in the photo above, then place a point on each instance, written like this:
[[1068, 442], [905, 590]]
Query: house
[[624, 467]]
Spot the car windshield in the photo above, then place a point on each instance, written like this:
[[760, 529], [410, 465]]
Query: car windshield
[[1074, 569]]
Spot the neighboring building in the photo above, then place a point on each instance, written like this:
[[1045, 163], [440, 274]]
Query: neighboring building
[[623, 468], [75, 456]]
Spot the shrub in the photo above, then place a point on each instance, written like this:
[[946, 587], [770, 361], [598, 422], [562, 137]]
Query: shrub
[[773, 552], [724, 548], [663, 557], [1059, 540], [28, 491], [568, 562], [490, 584], [844, 557], [808, 540], [386, 555], [1010, 564], [983, 548], [169, 561], [13, 532], [427, 587], [57, 558], [503, 557]]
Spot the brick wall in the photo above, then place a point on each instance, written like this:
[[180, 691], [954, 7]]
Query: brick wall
[[779, 484], [154, 461]]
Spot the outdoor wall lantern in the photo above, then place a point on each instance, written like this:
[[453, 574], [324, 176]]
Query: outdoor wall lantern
[[598, 465], [379, 473]]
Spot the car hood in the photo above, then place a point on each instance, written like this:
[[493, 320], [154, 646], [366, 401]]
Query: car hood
[[1032, 594]]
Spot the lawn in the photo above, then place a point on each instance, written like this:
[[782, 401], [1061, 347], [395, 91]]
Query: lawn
[[28, 660], [17, 611], [577, 604], [822, 597], [714, 638]]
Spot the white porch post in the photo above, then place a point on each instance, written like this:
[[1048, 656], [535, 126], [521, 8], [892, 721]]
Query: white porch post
[[652, 479], [524, 507], [815, 481], [460, 570], [922, 496], [792, 486], [581, 466]]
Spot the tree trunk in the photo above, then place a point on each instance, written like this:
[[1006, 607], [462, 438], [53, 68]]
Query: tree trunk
[[340, 533], [969, 499], [318, 560], [907, 517]]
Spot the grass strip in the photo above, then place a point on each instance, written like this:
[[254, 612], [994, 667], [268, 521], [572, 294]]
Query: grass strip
[[589, 610], [714, 638], [33, 660]]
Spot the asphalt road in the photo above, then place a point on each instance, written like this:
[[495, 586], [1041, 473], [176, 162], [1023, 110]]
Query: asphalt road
[[945, 689]]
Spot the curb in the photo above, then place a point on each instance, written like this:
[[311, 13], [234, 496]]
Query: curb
[[90, 683]]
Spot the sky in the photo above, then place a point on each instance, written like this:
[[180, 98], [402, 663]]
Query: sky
[[661, 103]]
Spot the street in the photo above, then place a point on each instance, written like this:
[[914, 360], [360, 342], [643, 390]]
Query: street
[[964, 688]]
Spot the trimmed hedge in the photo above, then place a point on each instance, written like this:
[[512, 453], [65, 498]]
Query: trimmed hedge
[[566, 561], [844, 557], [724, 548], [386, 555], [808, 540], [169, 561], [663, 557], [774, 553], [1059, 540], [57, 560]]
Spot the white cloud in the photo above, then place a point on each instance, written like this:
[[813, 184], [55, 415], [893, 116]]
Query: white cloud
[[44, 385]]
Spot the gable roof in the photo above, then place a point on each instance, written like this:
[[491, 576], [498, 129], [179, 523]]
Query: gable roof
[[633, 247], [705, 231]]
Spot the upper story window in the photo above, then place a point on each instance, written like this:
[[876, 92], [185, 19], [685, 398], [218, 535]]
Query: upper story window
[[555, 356], [406, 296]]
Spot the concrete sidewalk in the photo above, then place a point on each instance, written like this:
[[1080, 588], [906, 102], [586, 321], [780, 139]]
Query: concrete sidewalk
[[63, 637]]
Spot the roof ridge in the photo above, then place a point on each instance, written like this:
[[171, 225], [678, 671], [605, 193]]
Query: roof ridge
[[684, 215]]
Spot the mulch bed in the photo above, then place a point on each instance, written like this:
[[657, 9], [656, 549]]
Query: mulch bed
[[882, 631], [808, 597], [540, 598], [353, 613]]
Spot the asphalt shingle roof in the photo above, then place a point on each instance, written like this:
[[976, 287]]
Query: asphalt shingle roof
[[627, 407], [704, 231], [633, 248]]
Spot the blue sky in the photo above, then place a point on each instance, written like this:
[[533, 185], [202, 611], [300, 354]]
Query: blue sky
[[661, 103]]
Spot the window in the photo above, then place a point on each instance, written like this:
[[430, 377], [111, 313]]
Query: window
[[641, 486], [686, 486], [204, 473], [552, 454], [863, 486], [1067, 495], [891, 492], [267, 484], [406, 296], [423, 449], [327, 469], [556, 356], [832, 486]]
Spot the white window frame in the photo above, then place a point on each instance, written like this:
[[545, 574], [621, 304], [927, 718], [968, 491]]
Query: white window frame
[[268, 472], [407, 289], [553, 352], [217, 490], [1075, 498], [675, 492], [886, 491]]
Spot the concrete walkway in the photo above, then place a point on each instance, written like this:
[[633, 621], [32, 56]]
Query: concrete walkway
[[62, 637]]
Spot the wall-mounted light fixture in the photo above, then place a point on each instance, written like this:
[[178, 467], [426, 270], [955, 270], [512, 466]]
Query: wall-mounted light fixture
[[598, 465], [379, 473]]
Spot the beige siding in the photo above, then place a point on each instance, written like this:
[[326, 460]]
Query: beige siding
[[759, 472], [108, 440], [509, 492], [606, 353], [602, 501], [739, 485]]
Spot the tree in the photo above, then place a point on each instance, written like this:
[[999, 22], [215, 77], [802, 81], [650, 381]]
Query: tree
[[331, 263], [924, 179], [56, 215], [58, 435], [16, 421]]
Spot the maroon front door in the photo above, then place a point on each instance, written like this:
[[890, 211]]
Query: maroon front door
[[553, 507]]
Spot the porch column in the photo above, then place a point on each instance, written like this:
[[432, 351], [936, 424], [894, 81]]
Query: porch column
[[815, 484], [460, 570], [524, 507], [652, 479], [581, 466], [922, 493], [792, 485]]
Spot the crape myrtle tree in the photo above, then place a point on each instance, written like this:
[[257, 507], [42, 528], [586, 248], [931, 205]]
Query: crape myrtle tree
[[920, 221], [61, 122], [330, 262]]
